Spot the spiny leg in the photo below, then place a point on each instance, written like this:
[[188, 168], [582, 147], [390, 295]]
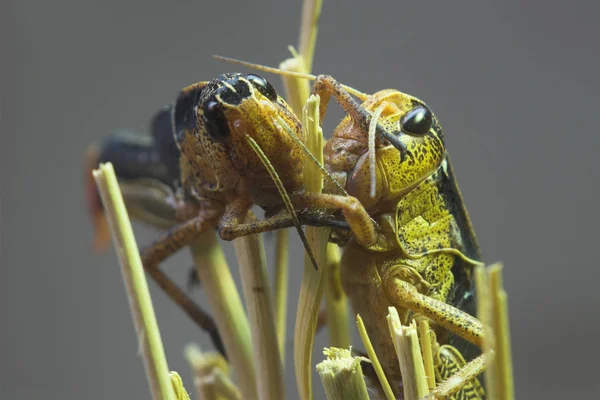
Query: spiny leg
[[231, 223], [458, 378], [231, 228], [359, 221], [325, 86], [403, 292], [175, 239], [197, 314], [405, 295], [363, 227]]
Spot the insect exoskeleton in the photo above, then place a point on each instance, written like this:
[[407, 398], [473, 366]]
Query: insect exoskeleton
[[389, 153], [214, 123], [238, 129]]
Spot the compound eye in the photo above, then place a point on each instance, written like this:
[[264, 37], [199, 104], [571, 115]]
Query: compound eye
[[263, 86], [183, 113], [417, 121], [215, 122]]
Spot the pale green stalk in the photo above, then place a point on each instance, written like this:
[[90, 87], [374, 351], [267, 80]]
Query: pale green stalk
[[311, 11], [406, 344], [216, 386], [281, 286], [364, 336], [311, 289], [203, 362], [336, 301], [178, 388], [483, 313], [493, 313], [309, 301], [253, 273], [503, 359], [225, 387], [342, 375], [211, 375], [132, 270], [228, 311], [425, 338], [297, 89]]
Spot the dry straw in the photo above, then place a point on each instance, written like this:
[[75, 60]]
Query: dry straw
[[342, 375]]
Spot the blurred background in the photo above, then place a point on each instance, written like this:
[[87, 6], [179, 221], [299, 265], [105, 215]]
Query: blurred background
[[514, 84]]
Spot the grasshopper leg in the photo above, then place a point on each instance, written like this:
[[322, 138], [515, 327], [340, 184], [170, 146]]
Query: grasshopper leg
[[458, 378], [176, 238], [231, 224], [359, 221], [451, 366], [325, 86], [231, 228], [403, 294], [361, 224]]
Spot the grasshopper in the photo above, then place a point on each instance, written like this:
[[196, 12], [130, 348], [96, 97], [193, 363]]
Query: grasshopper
[[416, 248], [188, 176], [389, 153], [243, 146]]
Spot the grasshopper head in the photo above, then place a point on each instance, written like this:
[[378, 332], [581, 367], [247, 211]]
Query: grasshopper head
[[215, 119], [409, 146]]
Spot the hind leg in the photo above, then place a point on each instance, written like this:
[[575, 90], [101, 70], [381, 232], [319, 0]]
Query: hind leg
[[458, 378], [175, 239]]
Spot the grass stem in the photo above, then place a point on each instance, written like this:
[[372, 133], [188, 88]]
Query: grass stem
[[364, 336], [281, 287], [230, 317], [136, 286], [250, 254], [342, 375], [407, 347]]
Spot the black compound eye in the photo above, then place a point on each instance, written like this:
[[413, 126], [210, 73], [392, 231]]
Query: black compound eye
[[183, 113], [418, 121], [215, 122], [263, 86]]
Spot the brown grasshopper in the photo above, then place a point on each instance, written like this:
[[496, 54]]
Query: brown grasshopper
[[207, 184], [242, 145]]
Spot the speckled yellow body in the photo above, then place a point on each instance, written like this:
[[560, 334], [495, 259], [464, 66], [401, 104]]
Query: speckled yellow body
[[425, 224], [425, 249]]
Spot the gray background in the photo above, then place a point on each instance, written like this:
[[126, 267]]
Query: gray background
[[514, 84]]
